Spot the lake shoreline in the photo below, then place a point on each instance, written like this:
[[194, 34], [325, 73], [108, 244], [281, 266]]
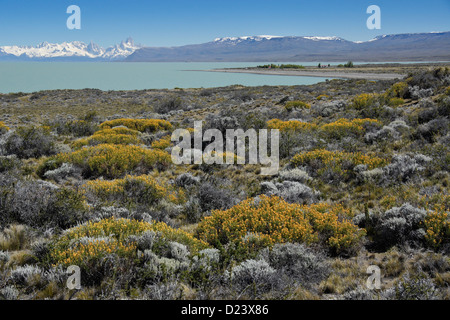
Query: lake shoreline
[[320, 74]]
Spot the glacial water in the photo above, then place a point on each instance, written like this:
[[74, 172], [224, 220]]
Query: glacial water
[[36, 76]]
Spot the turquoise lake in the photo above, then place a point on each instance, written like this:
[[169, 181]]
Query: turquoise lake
[[36, 76]]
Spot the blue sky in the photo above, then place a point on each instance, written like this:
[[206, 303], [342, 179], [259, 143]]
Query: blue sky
[[179, 22]]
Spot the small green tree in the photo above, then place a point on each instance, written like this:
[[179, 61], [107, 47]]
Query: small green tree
[[349, 64]]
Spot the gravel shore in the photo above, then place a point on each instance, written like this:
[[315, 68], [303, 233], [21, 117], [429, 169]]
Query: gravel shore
[[323, 74]]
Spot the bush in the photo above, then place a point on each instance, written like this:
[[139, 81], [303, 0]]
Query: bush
[[275, 221], [171, 290], [97, 139], [295, 174], [94, 240], [141, 125], [292, 192], [253, 276], [13, 238], [77, 128], [114, 160], [364, 100], [395, 102], [398, 90], [415, 287], [163, 143], [397, 226], [63, 172], [291, 105], [9, 293], [334, 165], [25, 275], [185, 180], [293, 134], [42, 204], [297, 262], [30, 142], [328, 108], [344, 127], [118, 212], [348, 64], [401, 224], [405, 167], [8, 163], [168, 105], [392, 131], [290, 125], [429, 131], [134, 190], [437, 227], [418, 93], [3, 128], [212, 198]]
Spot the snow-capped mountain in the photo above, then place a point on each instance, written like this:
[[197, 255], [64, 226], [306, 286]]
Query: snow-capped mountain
[[245, 38], [431, 46], [236, 40], [333, 38], [75, 50]]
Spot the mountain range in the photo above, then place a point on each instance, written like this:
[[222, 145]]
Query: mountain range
[[400, 47], [69, 51], [433, 46]]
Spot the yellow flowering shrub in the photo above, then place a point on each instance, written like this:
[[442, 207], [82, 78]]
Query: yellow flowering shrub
[[364, 100], [437, 226], [395, 102], [273, 220], [114, 160], [321, 161], [397, 90], [118, 130], [344, 127], [162, 143], [142, 125], [296, 104], [117, 135], [110, 236], [141, 189], [3, 127], [323, 96], [290, 125], [106, 138]]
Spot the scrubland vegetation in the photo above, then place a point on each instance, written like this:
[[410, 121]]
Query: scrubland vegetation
[[86, 179]]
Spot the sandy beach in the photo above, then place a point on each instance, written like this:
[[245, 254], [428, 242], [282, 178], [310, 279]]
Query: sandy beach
[[323, 74]]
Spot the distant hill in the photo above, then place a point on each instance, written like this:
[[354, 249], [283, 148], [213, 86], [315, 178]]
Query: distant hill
[[399, 47]]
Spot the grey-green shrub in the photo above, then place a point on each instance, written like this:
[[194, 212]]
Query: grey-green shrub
[[415, 287], [30, 142], [397, 226], [291, 191], [254, 276], [9, 293], [22, 275], [297, 262]]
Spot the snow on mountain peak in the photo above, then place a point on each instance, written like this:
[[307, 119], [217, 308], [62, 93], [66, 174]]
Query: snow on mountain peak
[[239, 39], [72, 49], [333, 38]]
